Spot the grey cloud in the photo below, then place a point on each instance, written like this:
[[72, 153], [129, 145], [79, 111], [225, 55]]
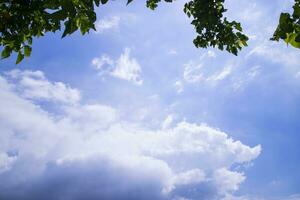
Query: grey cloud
[[96, 179]]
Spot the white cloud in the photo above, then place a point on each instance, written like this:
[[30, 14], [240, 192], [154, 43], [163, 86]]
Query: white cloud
[[179, 87], [34, 85], [219, 76], [125, 67], [277, 53], [86, 140], [193, 72], [196, 72], [128, 68], [107, 24], [190, 177], [92, 116], [211, 53], [103, 63], [167, 122], [227, 180]]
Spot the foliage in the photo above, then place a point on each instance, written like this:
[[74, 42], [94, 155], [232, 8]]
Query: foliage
[[22, 20], [213, 29], [288, 28]]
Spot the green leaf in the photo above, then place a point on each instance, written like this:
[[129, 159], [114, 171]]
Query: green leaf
[[6, 52], [104, 1], [129, 1], [291, 39], [297, 38], [296, 11], [59, 15], [19, 58], [27, 51], [97, 2]]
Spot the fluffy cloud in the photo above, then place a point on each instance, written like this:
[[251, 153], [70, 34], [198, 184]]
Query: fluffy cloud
[[125, 67], [227, 180], [89, 152], [34, 85]]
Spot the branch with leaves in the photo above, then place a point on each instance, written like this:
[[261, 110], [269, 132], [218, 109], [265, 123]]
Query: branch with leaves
[[23, 20]]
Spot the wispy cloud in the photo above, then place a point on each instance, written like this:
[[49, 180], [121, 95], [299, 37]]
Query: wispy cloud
[[201, 72], [107, 24], [276, 53]]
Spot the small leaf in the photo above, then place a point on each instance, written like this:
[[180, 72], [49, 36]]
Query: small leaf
[[27, 51], [104, 1], [297, 38], [129, 1], [6, 52], [97, 2], [19, 58]]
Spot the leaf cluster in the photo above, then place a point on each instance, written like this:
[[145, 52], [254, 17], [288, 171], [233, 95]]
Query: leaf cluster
[[213, 29], [288, 28], [23, 20]]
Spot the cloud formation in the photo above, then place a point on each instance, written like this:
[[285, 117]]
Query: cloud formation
[[34, 85], [86, 151], [125, 67]]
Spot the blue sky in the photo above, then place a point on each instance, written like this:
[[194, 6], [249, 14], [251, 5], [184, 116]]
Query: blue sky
[[135, 111]]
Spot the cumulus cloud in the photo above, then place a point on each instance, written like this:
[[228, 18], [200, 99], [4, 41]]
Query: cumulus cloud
[[86, 151], [125, 67], [107, 24], [34, 85], [227, 180]]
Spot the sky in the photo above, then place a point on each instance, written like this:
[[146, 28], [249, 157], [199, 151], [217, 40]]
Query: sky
[[135, 111]]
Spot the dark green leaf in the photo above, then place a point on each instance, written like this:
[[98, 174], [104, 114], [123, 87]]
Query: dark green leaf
[[19, 58], [27, 51], [6, 52]]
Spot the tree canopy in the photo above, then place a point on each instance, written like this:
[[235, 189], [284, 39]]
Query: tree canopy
[[23, 20]]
